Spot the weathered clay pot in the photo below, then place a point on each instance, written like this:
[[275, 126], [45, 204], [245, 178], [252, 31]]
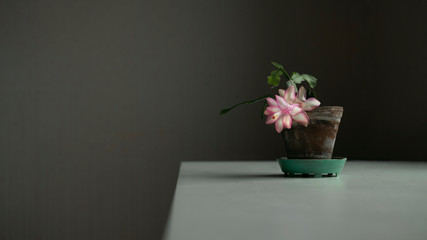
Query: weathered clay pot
[[317, 140]]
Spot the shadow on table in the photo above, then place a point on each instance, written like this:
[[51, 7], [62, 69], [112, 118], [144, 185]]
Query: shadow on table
[[243, 176], [250, 176], [235, 176]]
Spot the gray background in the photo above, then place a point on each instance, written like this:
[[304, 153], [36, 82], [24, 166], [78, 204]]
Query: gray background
[[101, 100]]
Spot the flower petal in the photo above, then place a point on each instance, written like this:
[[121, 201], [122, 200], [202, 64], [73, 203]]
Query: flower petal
[[270, 120], [282, 92], [310, 104], [301, 93], [273, 109], [282, 103], [267, 113], [301, 118], [279, 125], [290, 94], [295, 110], [287, 121], [272, 102], [273, 118]]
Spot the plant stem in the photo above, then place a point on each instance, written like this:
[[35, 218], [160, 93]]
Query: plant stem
[[286, 74], [226, 110]]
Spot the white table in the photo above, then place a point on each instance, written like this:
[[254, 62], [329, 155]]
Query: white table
[[252, 200]]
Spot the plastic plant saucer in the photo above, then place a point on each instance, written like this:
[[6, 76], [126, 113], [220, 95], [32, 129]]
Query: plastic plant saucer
[[311, 167]]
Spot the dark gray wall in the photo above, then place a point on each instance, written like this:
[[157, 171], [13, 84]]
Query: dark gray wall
[[101, 100]]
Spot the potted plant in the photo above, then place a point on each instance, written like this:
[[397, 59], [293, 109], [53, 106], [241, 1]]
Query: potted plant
[[308, 129]]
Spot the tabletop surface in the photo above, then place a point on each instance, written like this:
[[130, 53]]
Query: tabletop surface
[[253, 200]]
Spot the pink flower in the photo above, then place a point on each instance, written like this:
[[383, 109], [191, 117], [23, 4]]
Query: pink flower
[[288, 107], [306, 104], [282, 113]]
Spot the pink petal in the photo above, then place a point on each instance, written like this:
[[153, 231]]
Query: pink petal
[[295, 110], [273, 109], [287, 121], [272, 102], [301, 93], [310, 104], [301, 118], [267, 113], [279, 125], [282, 92], [290, 94], [270, 120], [282, 103], [273, 118]]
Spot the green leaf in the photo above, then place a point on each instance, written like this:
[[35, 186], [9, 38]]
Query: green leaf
[[277, 72], [310, 79], [226, 110], [277, 65], [273, 80], [283, 71], [297, 78]]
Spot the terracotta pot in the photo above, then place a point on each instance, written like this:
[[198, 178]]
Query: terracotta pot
[[317, 140]]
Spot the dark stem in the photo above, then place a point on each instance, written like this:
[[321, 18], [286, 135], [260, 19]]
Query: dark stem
[[226, 110]]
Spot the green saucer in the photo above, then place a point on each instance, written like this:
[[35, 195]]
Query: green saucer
[[312, 167]]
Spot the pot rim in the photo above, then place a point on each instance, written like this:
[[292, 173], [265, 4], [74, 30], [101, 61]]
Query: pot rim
[[337, 108], [328, 113]]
